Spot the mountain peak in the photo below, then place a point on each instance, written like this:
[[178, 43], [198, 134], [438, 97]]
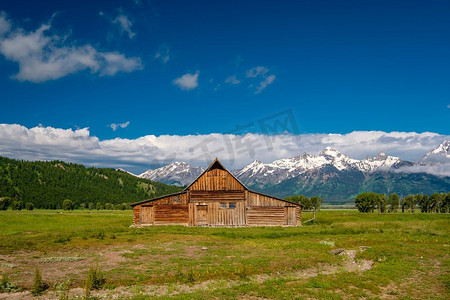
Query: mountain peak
[[443, 148], [381, 156], [439, 154], [330, 152], [177, 173]]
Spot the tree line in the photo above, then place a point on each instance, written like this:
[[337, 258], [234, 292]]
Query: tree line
[[67, 204], [435, 203]]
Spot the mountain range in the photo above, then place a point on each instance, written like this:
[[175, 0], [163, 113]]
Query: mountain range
[[330, 174]]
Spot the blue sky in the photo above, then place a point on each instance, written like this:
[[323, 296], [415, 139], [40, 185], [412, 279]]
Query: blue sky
[[339, 66], [130, 69]]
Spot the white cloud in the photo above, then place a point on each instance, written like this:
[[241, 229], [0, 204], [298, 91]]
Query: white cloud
[[162, 54], [42, 57], [48, 143], [257, 71], [260, 73], [187, 81], [115, 126], [263, 84], [448, 106], [124, 24], [439, 170], [232, 80], [5, 25], [114, 62]]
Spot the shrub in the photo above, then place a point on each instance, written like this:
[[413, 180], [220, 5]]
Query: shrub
[[109, 206], [29, 206], [4, 203], [94, 280], [39, 286], [17, 205], [99, 206], [68, 204], [6, 286], [82, 206], [91, 206]]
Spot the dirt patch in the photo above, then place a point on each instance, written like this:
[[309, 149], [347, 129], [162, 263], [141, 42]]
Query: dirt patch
[[112, 257], [57, 267]]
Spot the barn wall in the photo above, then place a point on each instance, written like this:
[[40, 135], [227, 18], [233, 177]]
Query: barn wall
[[216, 180], [265, 216], [136, 215], [267, 211], [159, 213], [217, 196], [299, 216], [254, 199], [171, 214]]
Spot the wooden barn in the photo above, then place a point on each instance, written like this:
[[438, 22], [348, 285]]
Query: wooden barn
[[218, 199]]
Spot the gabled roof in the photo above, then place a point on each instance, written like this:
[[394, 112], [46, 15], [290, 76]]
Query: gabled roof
[[216, 164]]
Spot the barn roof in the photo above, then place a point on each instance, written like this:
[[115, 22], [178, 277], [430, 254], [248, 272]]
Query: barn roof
[[216, 164], [157, 198]]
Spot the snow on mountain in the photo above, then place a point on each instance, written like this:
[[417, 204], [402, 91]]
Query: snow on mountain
[[279, 170], [255, 170], [440, 154], [259, 173], [381, 161], [177, 173]]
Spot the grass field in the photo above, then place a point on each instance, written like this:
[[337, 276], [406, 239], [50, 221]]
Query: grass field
[[388, 256]]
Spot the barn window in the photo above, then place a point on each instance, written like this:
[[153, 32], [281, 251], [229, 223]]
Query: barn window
[[232, 205], [223, 205]]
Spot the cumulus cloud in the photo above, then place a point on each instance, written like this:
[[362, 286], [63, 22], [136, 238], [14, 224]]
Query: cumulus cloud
[[124, 24], [42, 56], [261, 73], [115, 126], [232, 80], [187, 81], [137, 155], [162, 54]]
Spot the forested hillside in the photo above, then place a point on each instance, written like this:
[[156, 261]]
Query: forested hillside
[[47, 184]]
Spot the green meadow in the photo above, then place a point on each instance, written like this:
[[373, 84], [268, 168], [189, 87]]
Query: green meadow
[[383, 256]]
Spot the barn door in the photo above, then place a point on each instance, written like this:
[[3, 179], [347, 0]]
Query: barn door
[[202, 215], [146, 215], [290, 216]]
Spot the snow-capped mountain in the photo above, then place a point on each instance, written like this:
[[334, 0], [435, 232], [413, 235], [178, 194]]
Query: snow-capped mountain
[[177, 173], [440, 154], [282, 169], [329, 174]]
